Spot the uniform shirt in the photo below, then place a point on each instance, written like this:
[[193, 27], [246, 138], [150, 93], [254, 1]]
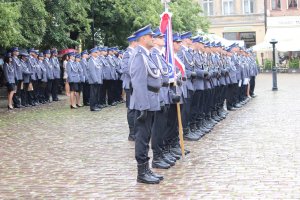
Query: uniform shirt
[[43, 72], [33, 66], [94, 71], [26, 73], [125, 67], [16, 62], [159, 61], [73, 72], [185, 55], [49, 68], [9, 73], [56, 67], [84, 65]]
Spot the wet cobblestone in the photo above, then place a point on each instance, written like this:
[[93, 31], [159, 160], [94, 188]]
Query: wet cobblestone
[[52, 152]]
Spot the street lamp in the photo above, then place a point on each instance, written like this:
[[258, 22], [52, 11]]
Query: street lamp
[[274, 71]]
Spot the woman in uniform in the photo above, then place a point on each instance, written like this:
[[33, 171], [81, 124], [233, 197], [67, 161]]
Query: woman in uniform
[[9, 74], [73, 79]]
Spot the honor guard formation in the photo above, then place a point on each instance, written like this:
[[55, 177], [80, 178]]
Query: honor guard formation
[[212, 75]]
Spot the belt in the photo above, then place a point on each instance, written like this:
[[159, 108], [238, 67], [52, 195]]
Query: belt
[[153, 89], [165, 85]]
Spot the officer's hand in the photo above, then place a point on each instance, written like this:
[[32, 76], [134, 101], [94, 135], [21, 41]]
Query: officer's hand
[[175, 98], [193, 74], [142, 117], [205, 73], [178, 82], [164, 109], [184, 78]]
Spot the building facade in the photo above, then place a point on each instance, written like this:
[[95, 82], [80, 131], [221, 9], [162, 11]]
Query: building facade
[[236, 19]]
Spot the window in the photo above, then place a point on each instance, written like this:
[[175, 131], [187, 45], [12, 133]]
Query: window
[[208, 7], [248, 6], [227, 7], [292, 3], [248, 37], [276, 4]]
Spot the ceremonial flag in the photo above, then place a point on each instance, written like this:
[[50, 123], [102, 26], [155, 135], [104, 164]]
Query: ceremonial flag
[[166, 28]]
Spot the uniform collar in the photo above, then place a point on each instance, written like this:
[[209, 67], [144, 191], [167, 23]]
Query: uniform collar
[[146, 50]]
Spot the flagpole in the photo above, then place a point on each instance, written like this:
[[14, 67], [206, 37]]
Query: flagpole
[[180, 129]]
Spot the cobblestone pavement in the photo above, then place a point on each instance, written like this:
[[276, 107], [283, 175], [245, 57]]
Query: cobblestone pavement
[[53, 152]]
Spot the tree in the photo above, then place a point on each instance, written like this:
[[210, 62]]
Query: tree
[[67, 23], [10, 29], [117, 19], [33, 21]]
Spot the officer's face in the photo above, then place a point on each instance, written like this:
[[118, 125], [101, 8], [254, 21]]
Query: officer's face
[[149, 41], [176, 46], [47, 55], [15, 53]]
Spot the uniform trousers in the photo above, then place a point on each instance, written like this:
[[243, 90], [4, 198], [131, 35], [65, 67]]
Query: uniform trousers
[[48, 89], [186, 110], [159, 130], [142, 136], [86, 93], [171, 133], [252, 85], [94, 94], [54, 91], [107, 90], [197, 106], [130, 114]]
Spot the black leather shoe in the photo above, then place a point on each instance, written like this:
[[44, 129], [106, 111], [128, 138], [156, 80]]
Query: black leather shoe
[[231, 108], [168, 155], [95, 109], [168, 160], [160, 177], [114, 104], [160, 163], [73, 107], [131, 138]]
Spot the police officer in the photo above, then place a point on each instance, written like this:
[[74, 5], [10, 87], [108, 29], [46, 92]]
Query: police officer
[[33, 66], [26, 79], [56, 74], [112, 84], [86, 85], [126, 83], [18, 76], [9, 74], [73, 79], [106, 87], [94, 72], [146, 83], [161, 117], [43, 78], [50, 75], [185, 54], [118, 89]]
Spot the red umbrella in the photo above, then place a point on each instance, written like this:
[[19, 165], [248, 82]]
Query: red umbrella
[[65, 51]]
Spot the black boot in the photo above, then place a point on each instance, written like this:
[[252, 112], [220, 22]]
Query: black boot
[[196, 131], [160, 177], [31, 98], [201, 129], [17, 103], [188, 135], [167, 155], [168, 159], [144, 176], [159, 162]]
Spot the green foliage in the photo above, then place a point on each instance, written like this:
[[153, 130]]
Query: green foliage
[[10, 29], [267, 64], [33, 21], [294, 63], [67, 23]]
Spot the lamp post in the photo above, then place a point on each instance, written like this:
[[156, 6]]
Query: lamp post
[[274, 71]]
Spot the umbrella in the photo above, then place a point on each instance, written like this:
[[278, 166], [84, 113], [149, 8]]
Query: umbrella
[[65, 51]]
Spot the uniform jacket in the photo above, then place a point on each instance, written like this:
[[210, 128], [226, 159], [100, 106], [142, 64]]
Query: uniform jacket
[[142, 69], [125, 67], [56, 67], [9, 73]]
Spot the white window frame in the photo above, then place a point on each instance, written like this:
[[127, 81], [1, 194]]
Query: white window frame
[[287, 4], [227, 1], [207, 2], [249, 3]]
